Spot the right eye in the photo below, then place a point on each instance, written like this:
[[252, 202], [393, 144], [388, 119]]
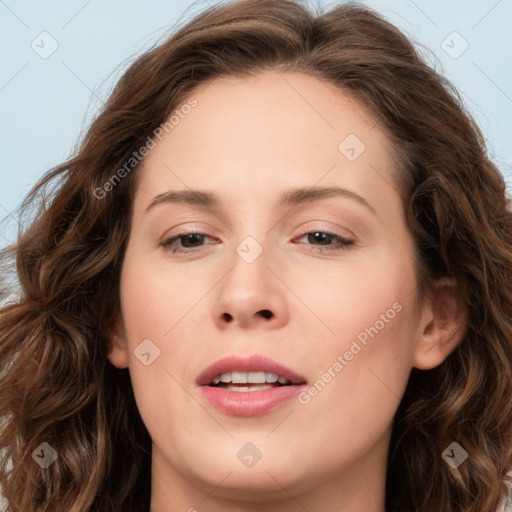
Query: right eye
[[188, 240]]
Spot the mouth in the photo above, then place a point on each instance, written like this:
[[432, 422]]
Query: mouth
[[245, 373], [249, 381], [248, 385]]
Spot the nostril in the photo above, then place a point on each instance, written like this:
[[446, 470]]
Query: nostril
[[266, 313], [227, 317]]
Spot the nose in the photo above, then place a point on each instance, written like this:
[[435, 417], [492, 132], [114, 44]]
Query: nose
[[251, 295]]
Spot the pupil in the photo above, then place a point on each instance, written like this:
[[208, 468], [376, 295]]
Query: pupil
[[320, 237], [188, 239]]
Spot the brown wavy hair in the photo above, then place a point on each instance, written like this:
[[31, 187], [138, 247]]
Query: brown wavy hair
[[56, 384]]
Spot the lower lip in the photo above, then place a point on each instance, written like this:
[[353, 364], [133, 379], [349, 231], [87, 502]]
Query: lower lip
[[249, 403]]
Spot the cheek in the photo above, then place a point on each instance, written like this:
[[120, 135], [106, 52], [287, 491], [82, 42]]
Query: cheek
[[363, 359], [156, 300], [164, 311], [151, 309], [370, 354], [356, 389]]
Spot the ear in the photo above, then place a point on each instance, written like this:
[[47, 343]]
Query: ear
[[443, 325], [118, 348]]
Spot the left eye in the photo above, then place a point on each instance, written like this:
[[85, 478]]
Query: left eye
[[322, 236], [192, 240]]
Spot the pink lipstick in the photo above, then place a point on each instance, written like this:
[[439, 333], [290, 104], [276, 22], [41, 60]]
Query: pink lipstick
[[248, 385]]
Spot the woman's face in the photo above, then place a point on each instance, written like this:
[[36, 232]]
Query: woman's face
[[274, 278]]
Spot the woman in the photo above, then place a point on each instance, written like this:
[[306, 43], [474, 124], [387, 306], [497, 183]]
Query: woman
[[275, 276]]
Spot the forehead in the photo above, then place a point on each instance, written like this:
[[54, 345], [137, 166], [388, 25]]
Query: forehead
[[248, 137]]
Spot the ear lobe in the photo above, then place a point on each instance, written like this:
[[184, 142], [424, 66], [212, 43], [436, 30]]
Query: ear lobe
[[444, 323], [118, 347]]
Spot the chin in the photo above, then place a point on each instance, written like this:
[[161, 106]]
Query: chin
[[255, 485]]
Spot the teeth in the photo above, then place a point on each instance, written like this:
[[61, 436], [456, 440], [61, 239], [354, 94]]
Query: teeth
[[256, 377], [256, 387], [249, 377], [238, 377]]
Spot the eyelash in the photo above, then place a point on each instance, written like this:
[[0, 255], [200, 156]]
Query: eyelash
[[342, 246]]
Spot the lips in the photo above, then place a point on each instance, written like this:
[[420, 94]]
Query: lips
[[241, 369], [249, 385]]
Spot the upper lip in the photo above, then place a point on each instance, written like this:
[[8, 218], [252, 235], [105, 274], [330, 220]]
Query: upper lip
[[250, 363]]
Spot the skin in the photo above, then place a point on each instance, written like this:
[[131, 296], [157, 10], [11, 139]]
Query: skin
[[248, 140]]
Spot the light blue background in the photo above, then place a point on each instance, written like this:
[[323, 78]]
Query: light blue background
[[46, 103]]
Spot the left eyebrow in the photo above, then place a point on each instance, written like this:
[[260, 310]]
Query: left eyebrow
[[296, 196], [292, 197]]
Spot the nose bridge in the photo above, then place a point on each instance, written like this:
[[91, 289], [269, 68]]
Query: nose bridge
[[253, 240], [249, 277], [250, 292]]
